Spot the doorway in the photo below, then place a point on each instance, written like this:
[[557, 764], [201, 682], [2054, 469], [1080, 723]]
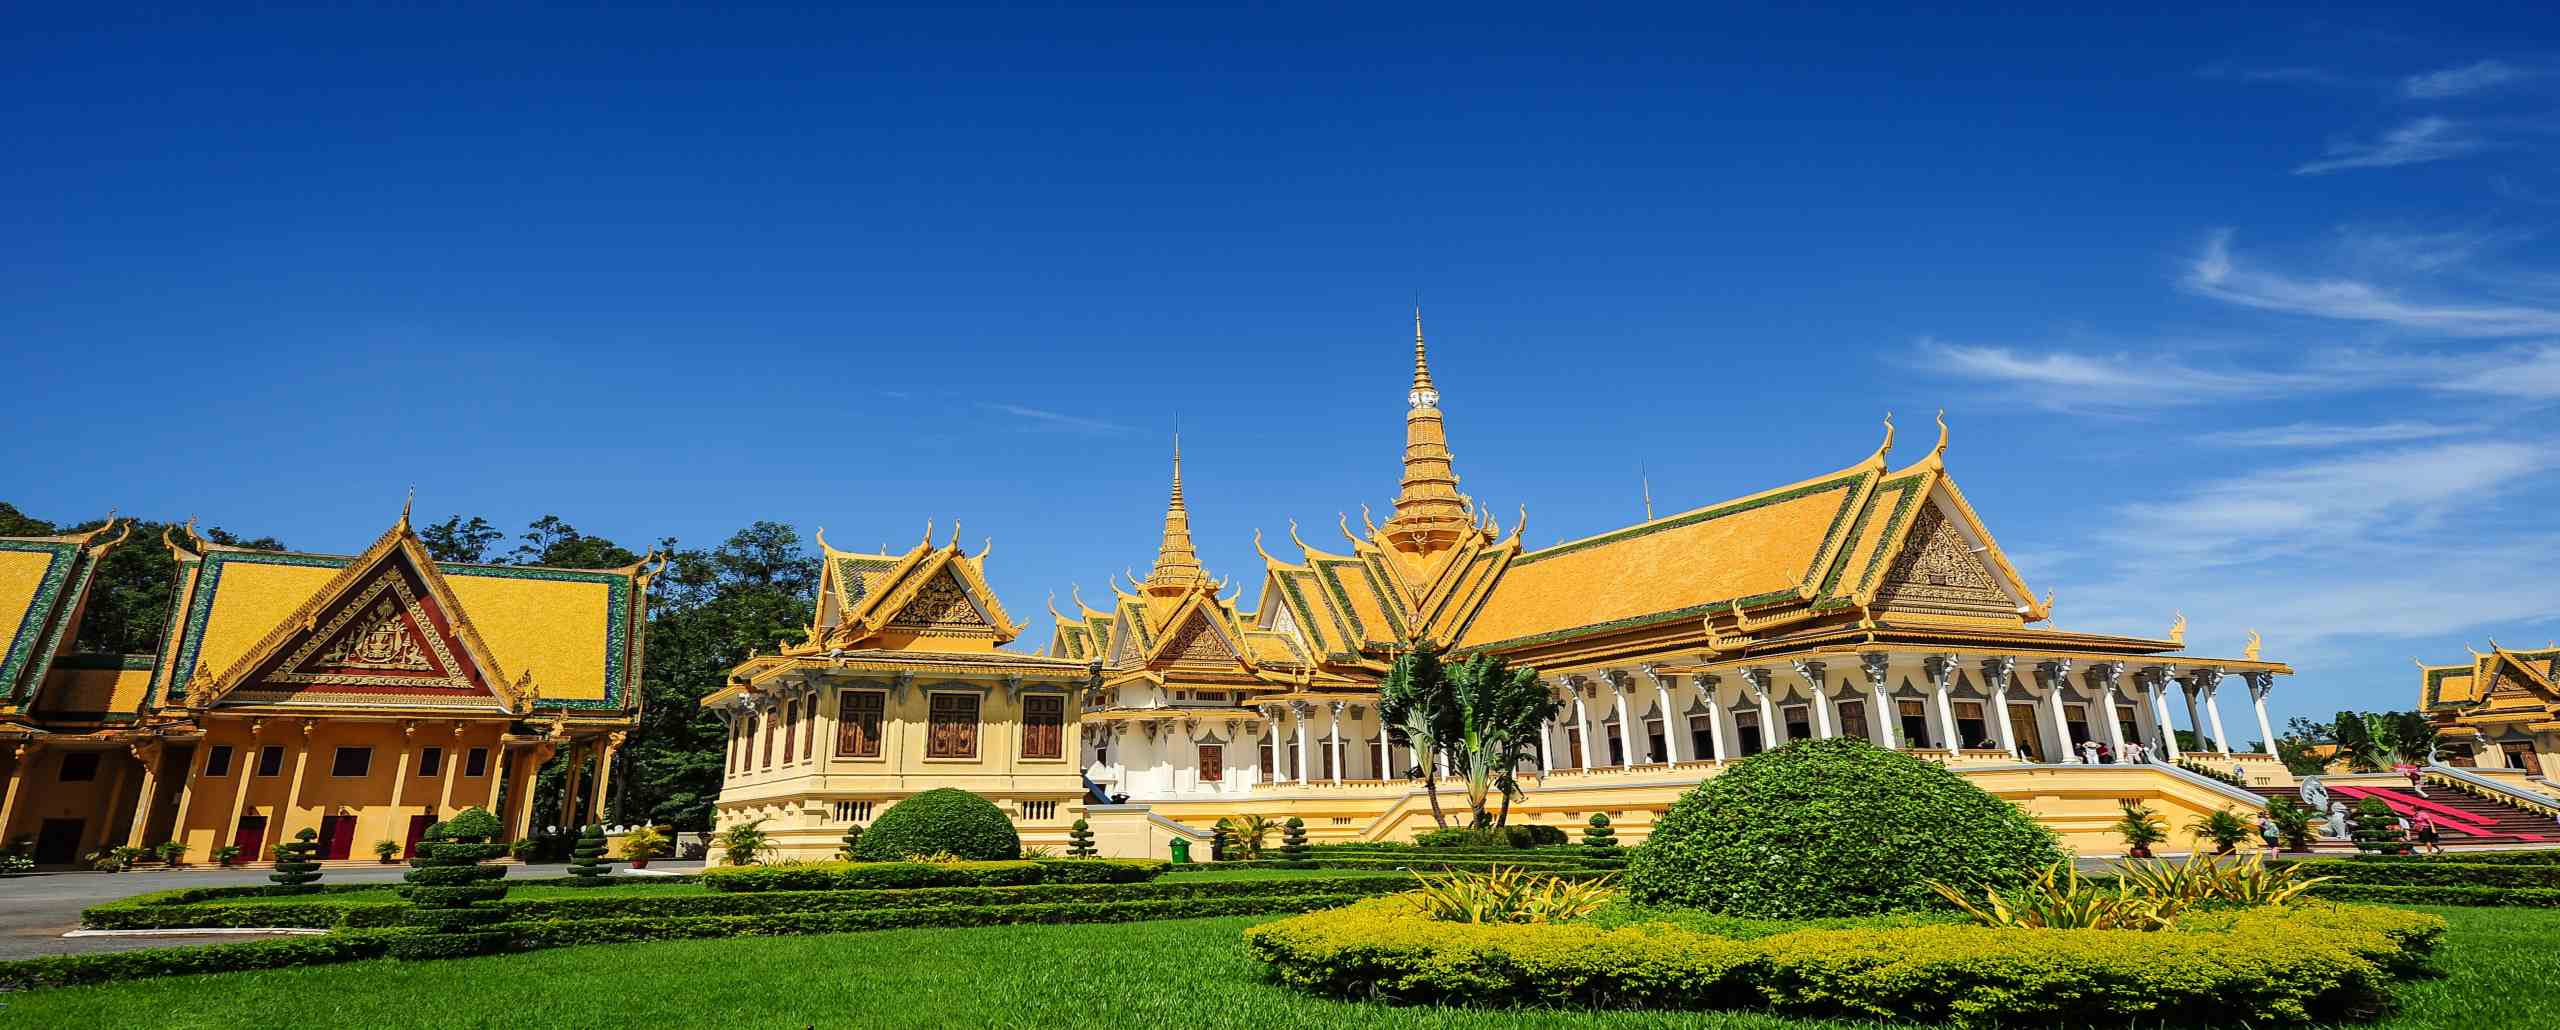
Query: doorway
[[2520, 755], [2022, 723], [417, 831], [58, 841], [337, 836], [251, 838]]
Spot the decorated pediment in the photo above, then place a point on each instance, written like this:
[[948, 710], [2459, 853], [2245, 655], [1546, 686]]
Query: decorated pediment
[[940, 602], [386, 632], [1195, 641], [1941, 568], [2510, 683]]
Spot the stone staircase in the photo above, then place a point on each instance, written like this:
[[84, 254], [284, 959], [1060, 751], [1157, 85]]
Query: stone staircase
[[2463, 818]]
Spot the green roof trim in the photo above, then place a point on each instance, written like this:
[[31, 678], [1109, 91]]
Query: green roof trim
[[22, 652]]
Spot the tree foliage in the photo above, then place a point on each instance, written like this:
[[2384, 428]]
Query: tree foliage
[[1479, 716]]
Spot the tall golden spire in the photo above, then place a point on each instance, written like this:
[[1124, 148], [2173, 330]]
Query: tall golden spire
[[1429, 513], [1177, 563]]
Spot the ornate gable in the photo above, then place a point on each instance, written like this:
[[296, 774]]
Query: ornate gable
[[1938, 571], [386, 634], [940, 603], [1196, 642]]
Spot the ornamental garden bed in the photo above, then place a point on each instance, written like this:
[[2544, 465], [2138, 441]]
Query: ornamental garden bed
[[881, 875], [2291, 965]]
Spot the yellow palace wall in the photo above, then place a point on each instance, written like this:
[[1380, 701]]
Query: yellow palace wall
[[798, 799], [215, 802], [104, 805]]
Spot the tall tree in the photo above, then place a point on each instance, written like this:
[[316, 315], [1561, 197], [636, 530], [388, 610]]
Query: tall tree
[[1500, 711], [129, 599], [1416, 704], [2356, 743], [456, 540]]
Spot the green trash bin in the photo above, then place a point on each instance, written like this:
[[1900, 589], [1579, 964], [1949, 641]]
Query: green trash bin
[[1181, 851]]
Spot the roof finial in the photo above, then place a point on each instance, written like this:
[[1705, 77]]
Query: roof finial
[[406, 504], [1424, 395], [2178, 629], [928, 532], [1941, 449], [1177, 564], [2250, 651], [1646, 482], [1886, 447]]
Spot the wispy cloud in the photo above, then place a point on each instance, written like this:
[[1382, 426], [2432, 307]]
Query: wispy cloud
[[2215, 274], [2323, 434], [2290, 508], [2299, 75], [2080, 381], [2454, 82], [2532, 374], [2419, 141], [1057, 419]]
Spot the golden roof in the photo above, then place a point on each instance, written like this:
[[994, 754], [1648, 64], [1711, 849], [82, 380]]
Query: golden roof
[[545, 639], [929, 597], [44, 585], [1430, 513], [2498, 681]]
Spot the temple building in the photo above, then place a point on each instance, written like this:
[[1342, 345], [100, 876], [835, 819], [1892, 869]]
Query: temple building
[[902, 686], [1867, 601], [362, 696], [2500, 710]]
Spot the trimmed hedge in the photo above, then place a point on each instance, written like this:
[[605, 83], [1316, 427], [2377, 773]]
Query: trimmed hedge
[[1833, 827], [822, 876], [2262, 966], [945, 820], [565, 933], [69, 970], [1423, 862], [2466, 858], [2435, 874], [753, 902], [2441, 894]]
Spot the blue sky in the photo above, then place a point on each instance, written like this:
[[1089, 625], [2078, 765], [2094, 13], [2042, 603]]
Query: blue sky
[[2254, 316]]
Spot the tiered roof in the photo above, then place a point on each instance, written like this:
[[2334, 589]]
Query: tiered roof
[[44, 584], [2500, 687]]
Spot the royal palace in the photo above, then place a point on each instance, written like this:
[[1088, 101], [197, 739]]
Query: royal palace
[[1867, 601]]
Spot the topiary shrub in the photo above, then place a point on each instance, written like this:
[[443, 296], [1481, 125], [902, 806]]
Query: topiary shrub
[[945, 821], [1080, 841], [1293, 840], [297, 864], [851, 848], [1602, 840], [1532, 835], [452, 896], [2375, 829], [1837, 827], [586, 861]]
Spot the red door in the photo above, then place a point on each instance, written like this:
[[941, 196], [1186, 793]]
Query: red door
[[251, 838], [417, 831], [337, 836]]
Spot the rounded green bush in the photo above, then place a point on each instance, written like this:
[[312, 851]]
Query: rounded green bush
[[1836, 827], [944, 821], [473, 823]]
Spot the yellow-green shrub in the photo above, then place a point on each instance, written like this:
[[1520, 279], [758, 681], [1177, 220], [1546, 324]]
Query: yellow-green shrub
[[2264, 966]]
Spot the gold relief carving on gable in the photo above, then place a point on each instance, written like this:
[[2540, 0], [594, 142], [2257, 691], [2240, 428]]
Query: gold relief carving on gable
[[940, 602], [367, 643], [1196, 642], [1937, 565]]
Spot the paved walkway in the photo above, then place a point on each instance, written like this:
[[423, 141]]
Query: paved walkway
[[35, 911]]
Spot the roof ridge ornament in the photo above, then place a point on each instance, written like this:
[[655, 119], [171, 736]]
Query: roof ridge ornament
[[2250, 650], [2178, 629], [1885, 448], [1940, 450]]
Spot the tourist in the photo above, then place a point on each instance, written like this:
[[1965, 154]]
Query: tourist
[[2429, 836], [2267, 830], [2134, 753], [2088, 752], [2417, 785], [2106, 754]]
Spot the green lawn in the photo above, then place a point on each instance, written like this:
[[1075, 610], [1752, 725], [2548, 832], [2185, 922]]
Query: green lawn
[[386, 894], [2501, 972]]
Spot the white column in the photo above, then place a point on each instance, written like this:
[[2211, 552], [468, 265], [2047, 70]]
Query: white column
[[1995, 676], [1719, 724], [1547, 746], [1672, 724], [1336, 745], [1627, 753], [1942, 678], [1887, 719], [1771, 733], [2056, 677], [2260, 684], [2164, 679], [2195, 719], [1386, 762], [1306, 750], [2105, 675], [1823, 727], [2211, 682], [1582, 726]]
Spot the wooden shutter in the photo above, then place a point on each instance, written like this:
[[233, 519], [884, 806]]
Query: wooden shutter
[[858, 723], [952, 727], [1044, 721], [1213, 763]]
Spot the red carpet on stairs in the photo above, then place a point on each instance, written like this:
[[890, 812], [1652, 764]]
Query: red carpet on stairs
[[2463, 818]]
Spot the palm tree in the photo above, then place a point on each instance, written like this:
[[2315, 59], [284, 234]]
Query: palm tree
[[1415, 703], [1500, 711]]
